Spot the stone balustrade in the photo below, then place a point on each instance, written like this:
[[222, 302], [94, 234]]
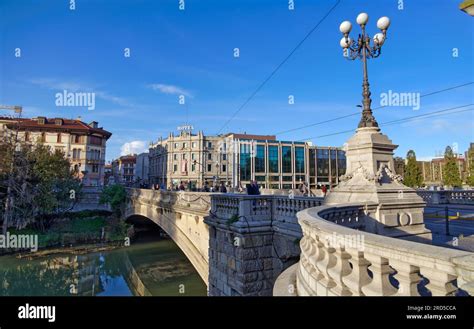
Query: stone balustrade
[[339, 259], [279, 210], [447, 197], [198, 202]]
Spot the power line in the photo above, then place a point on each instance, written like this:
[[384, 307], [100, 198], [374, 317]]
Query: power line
[[278, 67], [356, 113], [406, 119]]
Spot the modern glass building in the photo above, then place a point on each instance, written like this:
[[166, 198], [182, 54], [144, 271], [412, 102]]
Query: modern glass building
[[286, 164], [237, 159]]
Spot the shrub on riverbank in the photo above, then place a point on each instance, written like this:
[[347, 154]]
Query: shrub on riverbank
[[87, 226]]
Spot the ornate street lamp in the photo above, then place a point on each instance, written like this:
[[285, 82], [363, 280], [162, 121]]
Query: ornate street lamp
[[363, 50]]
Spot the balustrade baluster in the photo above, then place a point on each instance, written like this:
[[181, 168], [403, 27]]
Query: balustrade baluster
[[440, 283], [407, 277], [340, 270], [380, 284], [359, 275]]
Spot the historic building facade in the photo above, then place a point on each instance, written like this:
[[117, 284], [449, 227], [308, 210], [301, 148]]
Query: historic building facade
[[83, 144], [124, 170], [236, 159]]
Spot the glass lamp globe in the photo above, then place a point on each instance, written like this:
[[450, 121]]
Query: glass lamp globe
[[379, 39], [362, 19], [345, 27], [383, 23], [345, 42]]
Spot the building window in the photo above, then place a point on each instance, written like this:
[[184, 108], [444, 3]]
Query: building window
[[58, 138], [43, 137], [286, 159], [27, 136], [209, 156], [224, 168], [260, 159], [175, 145], [341, 163], [299, 160], [184, 156], [193, 145], [323, 163], [175, 156], [209, 167], [95, 140], [209, 144], [76, 154], [185, 145], [273, 159], [312, 162], [175, 168], [245, 164], [193, 155], [224, 157], [76, 139], [193, 167], [333, 163], [95, 168]]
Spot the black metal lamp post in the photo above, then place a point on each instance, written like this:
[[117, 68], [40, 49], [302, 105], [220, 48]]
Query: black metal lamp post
[[363, 50]]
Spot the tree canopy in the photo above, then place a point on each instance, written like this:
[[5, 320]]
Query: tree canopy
[[451, 175], [36, 183], [413, 176]]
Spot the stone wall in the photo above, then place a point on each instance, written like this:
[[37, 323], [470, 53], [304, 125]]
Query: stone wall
[[252, 240]]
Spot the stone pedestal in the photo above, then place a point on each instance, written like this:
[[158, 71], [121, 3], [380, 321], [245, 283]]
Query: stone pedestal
[[370, 178]]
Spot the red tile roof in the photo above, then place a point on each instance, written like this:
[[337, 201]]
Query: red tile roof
[[69, 125]]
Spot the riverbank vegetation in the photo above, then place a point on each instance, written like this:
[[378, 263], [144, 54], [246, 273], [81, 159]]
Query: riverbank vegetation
[[78, 228]]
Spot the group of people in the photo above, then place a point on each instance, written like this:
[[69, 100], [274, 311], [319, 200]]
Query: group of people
[[252, 189]]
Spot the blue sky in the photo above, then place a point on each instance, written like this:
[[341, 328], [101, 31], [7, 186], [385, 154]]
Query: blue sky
[[190, 52]]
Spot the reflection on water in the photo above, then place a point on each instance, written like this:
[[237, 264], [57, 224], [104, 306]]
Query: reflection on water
[[144, 269]]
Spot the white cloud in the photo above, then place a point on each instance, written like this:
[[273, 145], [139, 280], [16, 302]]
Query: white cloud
[[169, 89], [72, 86], [134, 147]]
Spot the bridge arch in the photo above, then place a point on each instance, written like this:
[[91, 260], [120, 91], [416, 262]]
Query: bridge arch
[[186, 228]]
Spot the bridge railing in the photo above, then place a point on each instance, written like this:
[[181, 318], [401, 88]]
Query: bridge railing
[[447, 197], [279, 210], [200, 202], [336, 259]]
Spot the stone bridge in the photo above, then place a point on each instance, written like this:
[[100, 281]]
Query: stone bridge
[[250, 246], [181, 215], [239, 244]]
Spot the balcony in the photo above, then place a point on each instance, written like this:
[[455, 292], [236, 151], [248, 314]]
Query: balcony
[[95, 161]]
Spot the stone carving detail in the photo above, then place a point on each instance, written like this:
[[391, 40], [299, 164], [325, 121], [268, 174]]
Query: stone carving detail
[[359, 171], [385, 169], [363, 172]]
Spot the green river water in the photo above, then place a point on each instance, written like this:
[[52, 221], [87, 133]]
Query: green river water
[[147, 268]]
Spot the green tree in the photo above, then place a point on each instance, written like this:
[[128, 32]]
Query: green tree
[[42, 185], [115, 196], [451, 175], [413, 176], [470, 161]]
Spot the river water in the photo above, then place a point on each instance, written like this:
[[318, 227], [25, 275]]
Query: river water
[[146, 268]]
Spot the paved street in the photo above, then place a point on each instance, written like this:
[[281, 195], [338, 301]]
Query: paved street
[[461, 230]]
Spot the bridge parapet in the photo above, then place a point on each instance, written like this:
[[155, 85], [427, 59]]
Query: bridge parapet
[[338, 260], [447, 197], [252, 240]]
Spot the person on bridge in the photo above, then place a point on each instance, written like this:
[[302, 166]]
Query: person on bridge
[[253, 188], [324, 189], [222, 188]]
